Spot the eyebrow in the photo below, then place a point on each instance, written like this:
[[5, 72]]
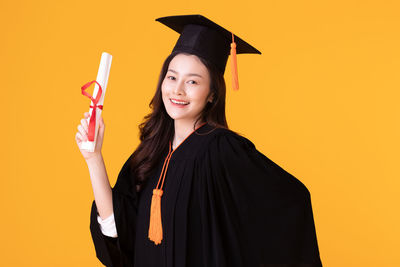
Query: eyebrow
[[189, 74]]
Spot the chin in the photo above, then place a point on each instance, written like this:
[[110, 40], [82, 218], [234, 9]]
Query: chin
[[177, 117], [182, 117]]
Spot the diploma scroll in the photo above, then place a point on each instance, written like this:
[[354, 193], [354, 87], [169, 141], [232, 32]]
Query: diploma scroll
[[96, 104]]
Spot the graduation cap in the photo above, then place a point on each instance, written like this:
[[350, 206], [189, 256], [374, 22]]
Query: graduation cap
[[204, 38]]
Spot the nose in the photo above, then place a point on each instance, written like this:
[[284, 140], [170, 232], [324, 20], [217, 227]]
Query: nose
[[179, 88]]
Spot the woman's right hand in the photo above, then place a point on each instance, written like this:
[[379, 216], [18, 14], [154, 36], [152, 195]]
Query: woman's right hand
[[82, 135]]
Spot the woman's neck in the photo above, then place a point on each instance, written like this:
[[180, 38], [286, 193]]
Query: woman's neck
[[182, 130]]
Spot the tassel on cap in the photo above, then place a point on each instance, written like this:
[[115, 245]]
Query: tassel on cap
[[235, 79]]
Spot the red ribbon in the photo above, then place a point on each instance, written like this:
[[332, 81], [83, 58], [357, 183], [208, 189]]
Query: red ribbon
[[92, 122]]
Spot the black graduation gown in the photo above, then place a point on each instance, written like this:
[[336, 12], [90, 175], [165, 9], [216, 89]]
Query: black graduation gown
[[224, 204]]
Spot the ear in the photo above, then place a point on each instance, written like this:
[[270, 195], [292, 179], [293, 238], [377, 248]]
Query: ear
[[211, 98]]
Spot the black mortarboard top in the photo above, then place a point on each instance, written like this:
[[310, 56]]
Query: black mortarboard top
[[202, 37]]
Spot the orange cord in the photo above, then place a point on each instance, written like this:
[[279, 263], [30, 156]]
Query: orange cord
[[155, 225]]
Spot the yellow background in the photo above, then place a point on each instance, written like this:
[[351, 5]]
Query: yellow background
[[321, 101]]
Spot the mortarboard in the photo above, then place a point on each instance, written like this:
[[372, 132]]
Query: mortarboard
[[204, 38]]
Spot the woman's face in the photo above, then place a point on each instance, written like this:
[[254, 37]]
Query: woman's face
[[187, 83]]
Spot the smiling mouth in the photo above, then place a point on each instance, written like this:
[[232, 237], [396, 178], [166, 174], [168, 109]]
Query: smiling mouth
[[179, 102]]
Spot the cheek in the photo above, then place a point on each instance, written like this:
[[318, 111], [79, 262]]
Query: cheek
[[164, 89], [166, 86], [201, 95]]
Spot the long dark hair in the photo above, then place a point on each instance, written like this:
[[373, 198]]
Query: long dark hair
[[157, 128]]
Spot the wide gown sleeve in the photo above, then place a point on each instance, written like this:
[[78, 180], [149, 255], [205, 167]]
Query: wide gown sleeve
[[113, 252], [253, 212]]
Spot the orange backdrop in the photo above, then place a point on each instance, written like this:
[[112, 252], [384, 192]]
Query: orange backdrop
[[321, 101]]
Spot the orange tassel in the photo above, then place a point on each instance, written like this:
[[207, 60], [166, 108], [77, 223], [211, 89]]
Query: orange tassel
[[155, 228], [235, 79], [155, 224]]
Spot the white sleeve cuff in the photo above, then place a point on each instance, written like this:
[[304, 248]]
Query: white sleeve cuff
[[107, 226]]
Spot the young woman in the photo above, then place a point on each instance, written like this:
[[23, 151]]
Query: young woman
[[195, 193]]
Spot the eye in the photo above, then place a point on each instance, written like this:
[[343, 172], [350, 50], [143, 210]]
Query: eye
[[192, 82], [171, 77]]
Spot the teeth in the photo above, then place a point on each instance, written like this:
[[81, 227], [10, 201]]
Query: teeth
[[177, 102]]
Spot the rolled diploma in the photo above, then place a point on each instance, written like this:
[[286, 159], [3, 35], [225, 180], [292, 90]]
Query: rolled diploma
[[102, 79]]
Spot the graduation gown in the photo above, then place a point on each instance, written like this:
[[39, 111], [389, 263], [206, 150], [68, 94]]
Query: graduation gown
[[224, 204]]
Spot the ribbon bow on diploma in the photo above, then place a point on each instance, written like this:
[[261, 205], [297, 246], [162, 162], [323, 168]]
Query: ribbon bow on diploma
[[92, 122]]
